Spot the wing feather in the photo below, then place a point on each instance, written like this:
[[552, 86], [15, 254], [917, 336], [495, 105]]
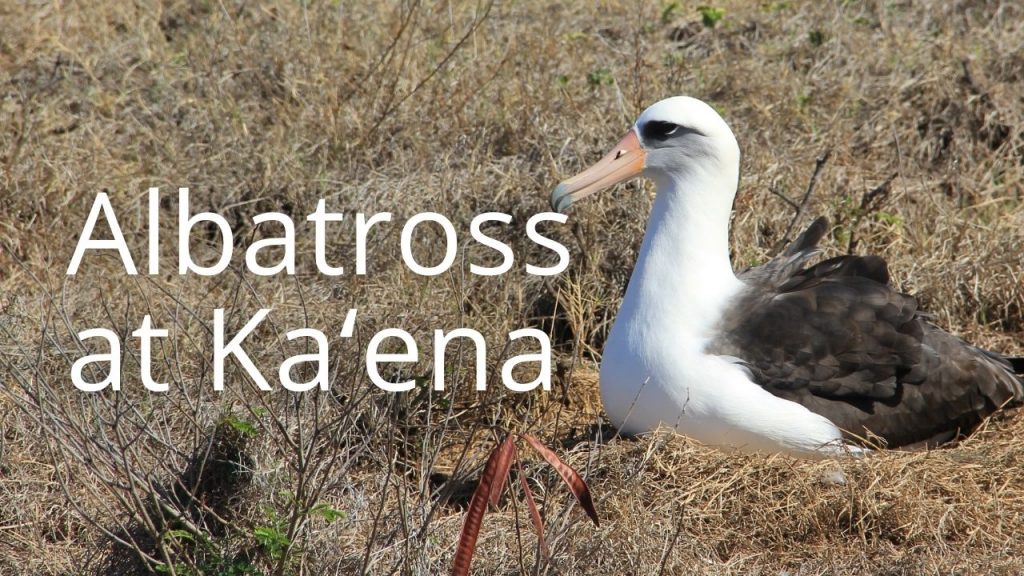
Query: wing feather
[[837, 338]]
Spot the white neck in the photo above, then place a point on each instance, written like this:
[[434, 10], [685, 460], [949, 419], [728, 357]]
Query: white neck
[[683, 276]]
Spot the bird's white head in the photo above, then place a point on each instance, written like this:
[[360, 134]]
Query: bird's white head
[[672, 141]]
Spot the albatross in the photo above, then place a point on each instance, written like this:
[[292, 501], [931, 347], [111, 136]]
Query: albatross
[[808, 360]]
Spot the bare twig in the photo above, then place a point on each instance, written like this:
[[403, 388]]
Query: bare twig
[[870, 202], [394, 104], [801, 207]]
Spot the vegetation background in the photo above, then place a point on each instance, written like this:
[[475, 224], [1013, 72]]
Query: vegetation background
[[462, 108]]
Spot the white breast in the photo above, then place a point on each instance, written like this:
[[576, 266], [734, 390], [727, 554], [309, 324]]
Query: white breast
[[707, 398]]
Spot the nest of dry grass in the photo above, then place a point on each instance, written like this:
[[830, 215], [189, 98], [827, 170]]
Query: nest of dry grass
[[463, 108]]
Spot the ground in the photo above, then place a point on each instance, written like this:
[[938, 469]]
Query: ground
[[463, 108]]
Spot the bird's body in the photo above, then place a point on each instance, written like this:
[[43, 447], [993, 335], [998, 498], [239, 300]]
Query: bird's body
[[780, 358]]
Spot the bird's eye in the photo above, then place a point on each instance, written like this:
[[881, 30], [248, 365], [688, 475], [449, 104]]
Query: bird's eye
[[659, 130]]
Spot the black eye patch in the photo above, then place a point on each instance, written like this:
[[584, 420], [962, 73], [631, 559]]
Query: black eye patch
[[660, 131]]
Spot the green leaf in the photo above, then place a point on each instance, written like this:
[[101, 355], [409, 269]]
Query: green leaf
[[889, 218], [710, 15], [179, 535], [601, 76], [668, 13], [247, 428], [272, 540], [777, 6], [674, 60], [327, 513]]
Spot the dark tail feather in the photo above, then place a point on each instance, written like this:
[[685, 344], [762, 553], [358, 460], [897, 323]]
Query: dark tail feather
[[809, 239], [1017, 364]]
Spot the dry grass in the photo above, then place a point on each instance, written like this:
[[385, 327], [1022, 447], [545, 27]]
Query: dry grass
[[463, 108]]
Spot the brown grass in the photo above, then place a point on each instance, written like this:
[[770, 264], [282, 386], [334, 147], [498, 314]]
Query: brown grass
[[463, 108]]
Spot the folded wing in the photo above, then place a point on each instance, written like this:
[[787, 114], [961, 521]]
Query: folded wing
[[837, 338]]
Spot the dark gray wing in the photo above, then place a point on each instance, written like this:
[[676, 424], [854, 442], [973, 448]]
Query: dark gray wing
[[838, 339]]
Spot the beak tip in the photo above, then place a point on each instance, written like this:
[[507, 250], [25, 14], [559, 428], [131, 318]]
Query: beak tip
[[561, 199]]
